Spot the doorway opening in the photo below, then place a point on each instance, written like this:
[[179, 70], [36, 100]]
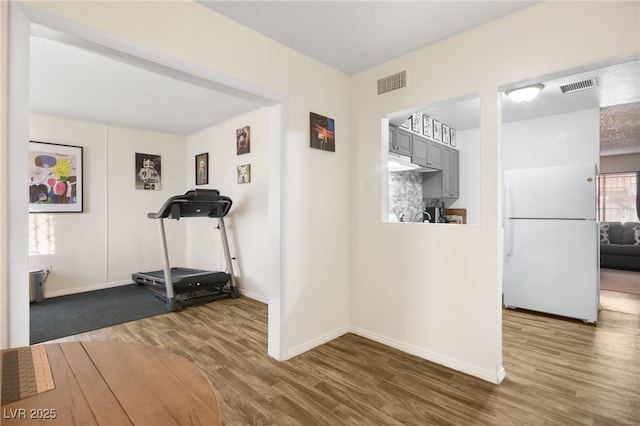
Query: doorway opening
[[581, 116], [23, 20]]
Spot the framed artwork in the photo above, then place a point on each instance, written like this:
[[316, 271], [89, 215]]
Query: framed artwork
[[244, 173], [148, 171], [243, 140], [452, 133], [437, 130], [55, 178], [202, 169], [426, 125], [322, 131], [407, 123], [416, 122], [445, 134]]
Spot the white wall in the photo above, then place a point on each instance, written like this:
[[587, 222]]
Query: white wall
[[112, 238], [620, 163], [247, 220], [469, 147], [556, 140], [435, 291]]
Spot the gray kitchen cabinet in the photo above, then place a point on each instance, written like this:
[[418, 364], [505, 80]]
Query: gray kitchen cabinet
[[445, 183], [451, 174], [400, 141], [420, 151], [427, 153], [435, 153]]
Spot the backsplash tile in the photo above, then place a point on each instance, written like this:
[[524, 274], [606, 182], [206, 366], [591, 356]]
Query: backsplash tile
[[405, 195]]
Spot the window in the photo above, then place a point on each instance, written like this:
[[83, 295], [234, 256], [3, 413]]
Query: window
[[617, 195]]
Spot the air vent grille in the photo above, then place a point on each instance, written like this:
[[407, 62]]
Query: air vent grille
[[580, 85], [392, 82]]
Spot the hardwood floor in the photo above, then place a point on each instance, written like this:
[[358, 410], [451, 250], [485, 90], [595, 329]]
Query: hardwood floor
[[620, 280], [559, 372]]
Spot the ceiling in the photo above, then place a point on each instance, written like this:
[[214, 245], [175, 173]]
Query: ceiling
[[69, 78], [352, 36]]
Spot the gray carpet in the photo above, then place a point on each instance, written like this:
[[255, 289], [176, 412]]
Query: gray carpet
[[78, 313]]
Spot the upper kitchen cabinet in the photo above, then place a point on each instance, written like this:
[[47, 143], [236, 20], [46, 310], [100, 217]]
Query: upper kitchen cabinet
[[444, 184], [400, 141], [427, 153]]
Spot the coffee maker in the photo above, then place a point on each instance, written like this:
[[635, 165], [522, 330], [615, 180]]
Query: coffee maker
[[431, 214], [434, 214]]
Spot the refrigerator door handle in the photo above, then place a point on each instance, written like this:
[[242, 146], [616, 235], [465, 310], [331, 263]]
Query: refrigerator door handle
[[508, 200], [508, 219], [509, 237]]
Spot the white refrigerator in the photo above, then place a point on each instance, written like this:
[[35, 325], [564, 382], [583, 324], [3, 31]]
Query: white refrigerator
[[551, 247]]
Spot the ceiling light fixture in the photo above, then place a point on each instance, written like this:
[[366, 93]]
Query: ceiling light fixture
[[525, 94]]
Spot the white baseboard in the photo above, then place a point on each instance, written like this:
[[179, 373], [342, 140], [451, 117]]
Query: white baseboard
[[84, 289], [321, 340], [255, 296], [454, 364]]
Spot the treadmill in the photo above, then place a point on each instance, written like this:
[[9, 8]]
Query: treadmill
[[185, 286]]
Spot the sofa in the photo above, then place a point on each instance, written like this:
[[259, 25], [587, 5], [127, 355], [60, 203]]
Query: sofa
[[620, 245]]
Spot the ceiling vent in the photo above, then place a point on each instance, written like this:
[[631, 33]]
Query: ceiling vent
[[580, 85], [392, 82]]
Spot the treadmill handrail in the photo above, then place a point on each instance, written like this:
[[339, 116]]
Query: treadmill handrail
[[194, 203]]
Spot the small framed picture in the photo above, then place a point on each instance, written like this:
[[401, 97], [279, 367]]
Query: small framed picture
[[148, 171], [243, 140], [416, 122], [452, 133], [426, 126], [437, 130], [446, 138], [322, 131], [244, 173], [202, 169], [407, 123]]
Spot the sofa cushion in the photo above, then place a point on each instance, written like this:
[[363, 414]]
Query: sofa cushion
[[630, 250], [615, 232], [604, 233], [628, 233], [611, 249]]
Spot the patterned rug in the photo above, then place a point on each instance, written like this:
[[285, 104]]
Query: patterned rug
[[24, 372]]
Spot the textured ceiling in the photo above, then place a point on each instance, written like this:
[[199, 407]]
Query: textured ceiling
[[620, 129], [74, 82]]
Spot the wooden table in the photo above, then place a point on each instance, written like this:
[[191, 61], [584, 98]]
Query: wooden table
[[113, 383]]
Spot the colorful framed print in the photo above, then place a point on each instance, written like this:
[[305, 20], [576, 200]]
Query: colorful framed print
[[55, 178], [202, 169], [322, 131]]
